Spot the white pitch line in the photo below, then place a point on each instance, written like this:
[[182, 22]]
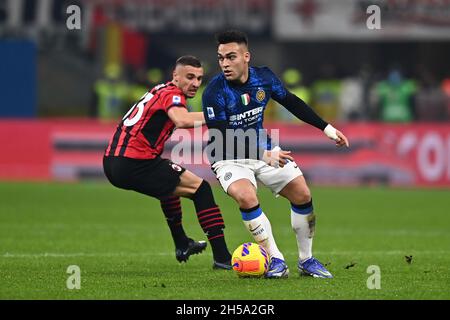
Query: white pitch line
[[142, 254], [81, 254]]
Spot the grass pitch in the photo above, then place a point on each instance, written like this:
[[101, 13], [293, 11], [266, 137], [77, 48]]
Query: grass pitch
[[122, 245]]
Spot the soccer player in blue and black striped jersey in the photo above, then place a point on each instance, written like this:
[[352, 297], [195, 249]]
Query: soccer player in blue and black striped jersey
[[241, 153]]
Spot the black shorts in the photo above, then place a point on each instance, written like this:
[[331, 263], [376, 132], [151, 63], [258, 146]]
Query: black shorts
[[154, 177]]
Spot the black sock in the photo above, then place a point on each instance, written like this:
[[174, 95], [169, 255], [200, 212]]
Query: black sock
[[171, 206], [211, 221]]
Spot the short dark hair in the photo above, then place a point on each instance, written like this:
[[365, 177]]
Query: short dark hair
[[188, 61], [231, 36]]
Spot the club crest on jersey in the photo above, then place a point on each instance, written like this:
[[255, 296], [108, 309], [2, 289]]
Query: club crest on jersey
[[176, 99], [245, 98], [176, 167], [260, 95], [210, 112]]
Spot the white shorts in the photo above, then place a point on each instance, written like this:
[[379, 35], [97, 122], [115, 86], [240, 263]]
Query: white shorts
[[229, 171]]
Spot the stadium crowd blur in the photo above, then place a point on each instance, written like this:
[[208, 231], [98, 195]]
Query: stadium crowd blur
[[70, 69], [123, 48], [394, 98]]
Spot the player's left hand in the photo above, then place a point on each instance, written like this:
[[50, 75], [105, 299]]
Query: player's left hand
[[342, 141], [336, 135]]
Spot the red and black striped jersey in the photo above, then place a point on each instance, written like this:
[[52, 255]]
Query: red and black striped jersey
[[146, 127]]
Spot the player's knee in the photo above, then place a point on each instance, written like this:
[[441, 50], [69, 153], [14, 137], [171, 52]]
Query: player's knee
[[190, 181], [246, 198], [302, 197], [306, 196]]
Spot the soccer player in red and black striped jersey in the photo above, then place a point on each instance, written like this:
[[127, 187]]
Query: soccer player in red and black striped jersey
[[132, 160]]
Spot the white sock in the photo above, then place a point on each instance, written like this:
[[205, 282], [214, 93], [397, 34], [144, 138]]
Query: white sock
[[303, 226], [261, 231]]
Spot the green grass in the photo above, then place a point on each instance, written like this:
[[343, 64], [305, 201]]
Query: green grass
[[122, 245]]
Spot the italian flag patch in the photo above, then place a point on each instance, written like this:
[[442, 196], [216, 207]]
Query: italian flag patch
[[245, 98]]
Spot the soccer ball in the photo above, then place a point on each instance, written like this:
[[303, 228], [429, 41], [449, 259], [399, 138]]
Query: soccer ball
[[250, 260]]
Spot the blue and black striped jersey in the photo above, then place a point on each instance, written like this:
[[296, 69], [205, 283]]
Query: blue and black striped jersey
[[242, 106]]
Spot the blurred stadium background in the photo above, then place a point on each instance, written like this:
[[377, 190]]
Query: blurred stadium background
[[388, 89], [63, 91]]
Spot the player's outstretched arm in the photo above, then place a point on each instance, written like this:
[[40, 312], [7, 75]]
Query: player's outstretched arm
[[305, 113], [185, 119]]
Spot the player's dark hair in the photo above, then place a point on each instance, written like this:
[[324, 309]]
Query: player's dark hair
[[231, 36], [188, 61]]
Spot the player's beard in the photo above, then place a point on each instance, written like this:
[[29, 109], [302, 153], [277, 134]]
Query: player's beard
[[191, 94], [234, 76], [229, 75]]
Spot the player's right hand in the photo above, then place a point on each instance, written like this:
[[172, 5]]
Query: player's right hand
[[277, 157]]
